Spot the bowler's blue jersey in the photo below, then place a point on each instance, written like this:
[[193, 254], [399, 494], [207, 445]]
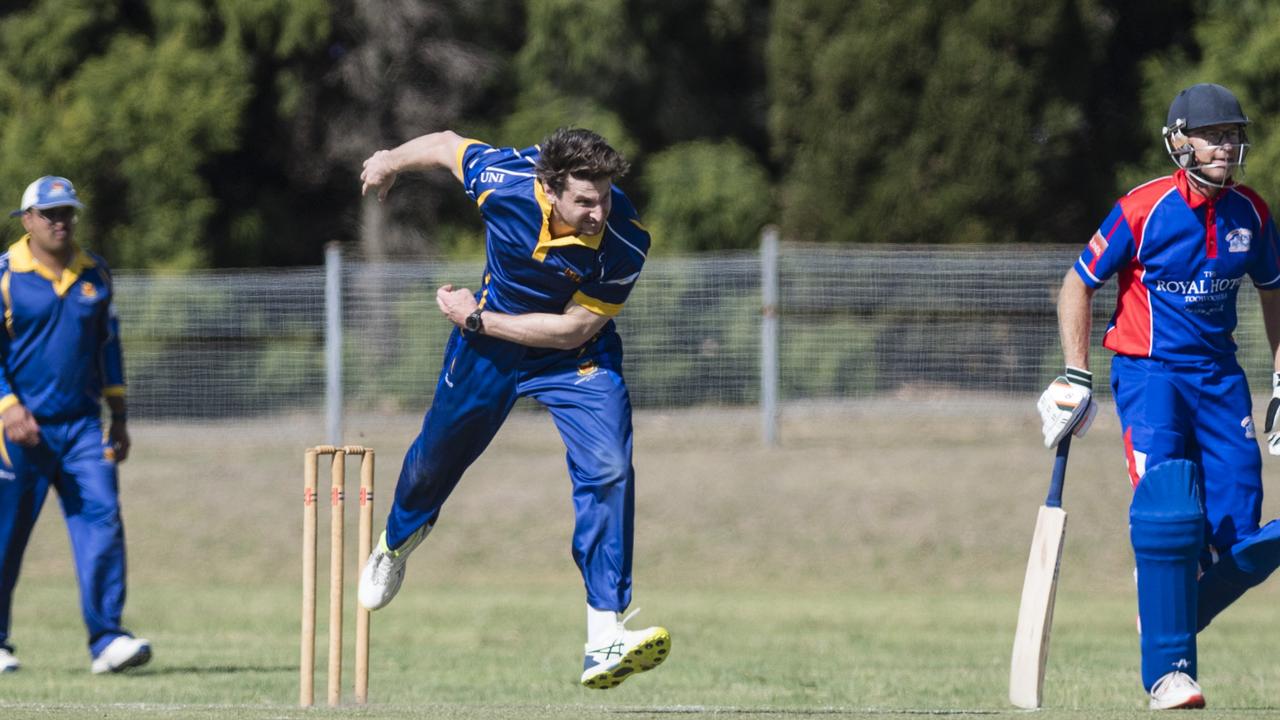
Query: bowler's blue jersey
[[60, 348], [529, 271]]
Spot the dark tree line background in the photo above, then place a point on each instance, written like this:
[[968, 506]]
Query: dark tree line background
[[230, 134]]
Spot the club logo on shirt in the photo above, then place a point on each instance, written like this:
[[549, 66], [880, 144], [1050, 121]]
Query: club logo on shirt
[[587, 367], [1097, 245], [1238, 240], [88, 290]]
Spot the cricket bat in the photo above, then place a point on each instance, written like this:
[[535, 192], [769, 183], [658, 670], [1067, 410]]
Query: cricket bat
[[1035, 614]]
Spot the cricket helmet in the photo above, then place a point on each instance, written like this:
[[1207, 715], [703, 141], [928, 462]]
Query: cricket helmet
[[1199, 106]]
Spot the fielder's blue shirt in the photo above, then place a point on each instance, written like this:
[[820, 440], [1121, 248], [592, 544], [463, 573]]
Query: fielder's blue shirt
[[60, 348], [1180, 259], [526, 269]]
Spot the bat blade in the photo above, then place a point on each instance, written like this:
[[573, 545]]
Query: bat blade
[[1035, 613]]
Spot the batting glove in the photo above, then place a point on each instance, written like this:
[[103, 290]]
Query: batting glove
[[1067, 406], [1273, 416]]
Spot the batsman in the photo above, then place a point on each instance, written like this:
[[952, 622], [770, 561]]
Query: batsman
[[564, 248], [1180, 246]]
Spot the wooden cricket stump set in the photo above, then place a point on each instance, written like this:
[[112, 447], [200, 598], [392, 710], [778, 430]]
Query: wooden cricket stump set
[[311, 471]]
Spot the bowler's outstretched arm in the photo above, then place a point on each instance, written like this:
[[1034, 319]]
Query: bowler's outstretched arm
[[434, 150]]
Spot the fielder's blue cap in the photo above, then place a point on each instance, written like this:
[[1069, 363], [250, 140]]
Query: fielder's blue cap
[[1204, 105], [49, 191]]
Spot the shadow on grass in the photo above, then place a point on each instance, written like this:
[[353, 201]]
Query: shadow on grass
[[211, 669], [731, 711]]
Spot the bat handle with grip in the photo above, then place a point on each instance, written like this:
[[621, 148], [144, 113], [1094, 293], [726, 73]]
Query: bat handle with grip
[[1059, 473]]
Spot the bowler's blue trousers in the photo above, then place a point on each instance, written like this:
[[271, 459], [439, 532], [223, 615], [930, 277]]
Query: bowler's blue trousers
[[71, 457], [583, 389]]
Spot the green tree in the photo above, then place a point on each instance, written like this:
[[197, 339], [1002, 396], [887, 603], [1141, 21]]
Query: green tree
[[649, 75], [136, 104], [963, 123], [1237, 45], [706, 196], [394, 70]]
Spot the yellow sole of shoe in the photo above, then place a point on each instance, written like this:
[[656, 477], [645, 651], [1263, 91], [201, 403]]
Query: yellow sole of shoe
[[645, 656]]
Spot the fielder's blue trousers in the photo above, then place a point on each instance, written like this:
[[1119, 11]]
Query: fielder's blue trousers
[[583, 389], [71, 457]]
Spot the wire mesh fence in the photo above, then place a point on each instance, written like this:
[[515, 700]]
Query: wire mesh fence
[[916, 326]]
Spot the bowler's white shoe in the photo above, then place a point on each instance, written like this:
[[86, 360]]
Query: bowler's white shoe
[[1176, 690], [123, 653], [8, 663], [628, 652], [380, 580]]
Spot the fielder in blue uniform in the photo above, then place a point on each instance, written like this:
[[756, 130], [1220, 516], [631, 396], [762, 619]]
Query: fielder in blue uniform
[[1180, 247], [564, 248], [60, 352]]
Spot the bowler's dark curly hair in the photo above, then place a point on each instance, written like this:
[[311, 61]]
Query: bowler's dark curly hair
[[580, 153]]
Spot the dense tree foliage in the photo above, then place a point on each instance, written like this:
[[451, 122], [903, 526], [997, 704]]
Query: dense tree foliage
[[231, 133], [1237, 44]]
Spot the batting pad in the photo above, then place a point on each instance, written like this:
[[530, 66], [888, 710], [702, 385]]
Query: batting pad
[[1166, 527], [1245, 565]]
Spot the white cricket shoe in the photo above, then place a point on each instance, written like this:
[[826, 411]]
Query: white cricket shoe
[[123, 653], [1176, 690], [8, 662], [380, 580], [623, 655]]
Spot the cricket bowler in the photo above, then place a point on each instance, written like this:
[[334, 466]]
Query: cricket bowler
[[564, 248], [1179, 247]]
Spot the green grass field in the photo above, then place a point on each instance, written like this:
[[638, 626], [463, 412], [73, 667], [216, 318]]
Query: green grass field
[[861, 570]]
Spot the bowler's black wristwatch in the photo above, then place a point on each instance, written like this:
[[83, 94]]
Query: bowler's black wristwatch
[[474, 323]]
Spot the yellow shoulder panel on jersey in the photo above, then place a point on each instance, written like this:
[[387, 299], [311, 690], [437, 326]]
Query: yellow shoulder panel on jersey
[[462, 150]]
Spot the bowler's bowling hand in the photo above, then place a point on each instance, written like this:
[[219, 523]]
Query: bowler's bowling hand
[[379, 173], [20, 426]]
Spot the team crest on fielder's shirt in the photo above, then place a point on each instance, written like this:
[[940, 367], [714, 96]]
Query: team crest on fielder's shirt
[[586, 367], [1238, 240], [88, 290]]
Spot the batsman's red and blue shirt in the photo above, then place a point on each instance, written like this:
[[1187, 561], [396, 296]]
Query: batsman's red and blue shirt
[[527, 270], [1179, 259], [60, 347]]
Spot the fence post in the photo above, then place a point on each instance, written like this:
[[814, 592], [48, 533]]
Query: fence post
[[769, 335], [333, 343]]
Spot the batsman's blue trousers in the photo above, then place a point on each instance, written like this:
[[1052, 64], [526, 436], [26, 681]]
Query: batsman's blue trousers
[[480, 381], [71, 457], [1202, 412]]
